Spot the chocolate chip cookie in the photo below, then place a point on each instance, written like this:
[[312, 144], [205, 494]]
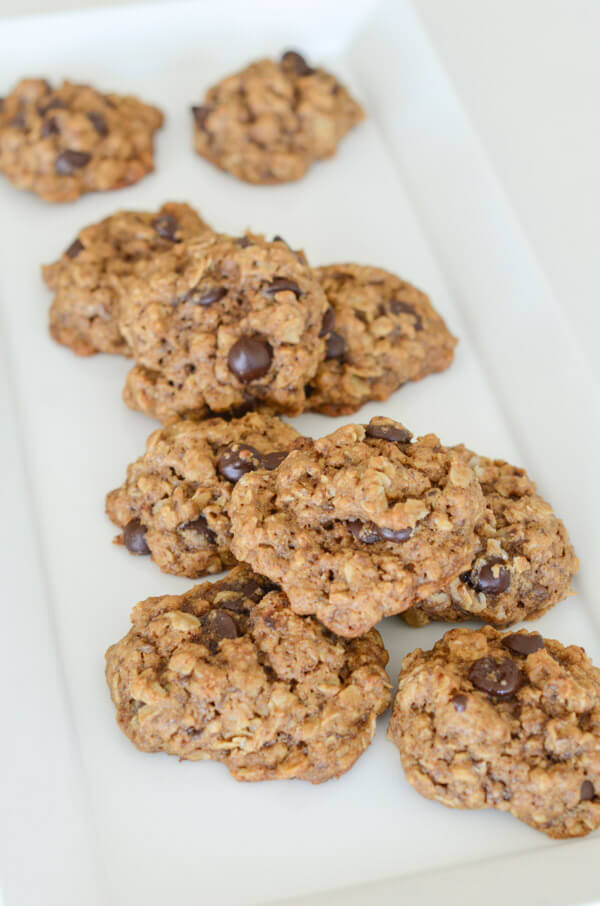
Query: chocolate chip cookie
[[271, 121], [380, 333], [226, 323], [85, 313], [524, 562], [173, 503], [228, 672], [63, 142], [503, 720], [360, 524]]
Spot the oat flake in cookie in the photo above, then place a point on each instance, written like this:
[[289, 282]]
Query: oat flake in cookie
[[85, 312], [503, 720], [63, 142], [224, 323], [173, 503], [524, 562], [381, 332], [360, 524], [228, 672], [271, 121]]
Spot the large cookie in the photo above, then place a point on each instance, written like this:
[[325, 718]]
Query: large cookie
[[226, 323], [228, 672], [271, 121], [85, 312], [524, 562], [63, 142], [360, 524], [382, 333], [506, 721], [173, 503]]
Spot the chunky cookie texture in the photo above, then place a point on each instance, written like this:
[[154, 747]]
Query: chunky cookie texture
[[271, 121], [524, 562], [380, 333], [173, 504], [503, 720], [85, 312], [63, 142], [228, 672], [223, 323], [360, 524]]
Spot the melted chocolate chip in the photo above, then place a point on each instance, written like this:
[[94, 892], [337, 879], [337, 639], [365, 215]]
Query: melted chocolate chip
[[271, 461], [328, 322], [68, 161], [200, 527], [335, 346], [295, 62], [395, 433], [521, 643], [166, 226], [49, 127], [460, 702], [365, 532], [237, 605], [236, 460], [224, 625], [280, 285], [493, 578], [74, 249], [397, 536], [98, 122], [501, 677], [134, 537], [398, 308], [206, 297], [250, 358], [201, 115], [587, 791]]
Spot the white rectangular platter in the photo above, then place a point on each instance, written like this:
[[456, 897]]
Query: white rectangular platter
[[86, 819]]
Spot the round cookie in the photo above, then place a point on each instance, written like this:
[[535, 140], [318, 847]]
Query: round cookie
[[382, 333], [523, 564], [268, 123], [503, 720], [85, 313], [228, 672], [173, 503], [360, 524], [61, 143], [227, 323]]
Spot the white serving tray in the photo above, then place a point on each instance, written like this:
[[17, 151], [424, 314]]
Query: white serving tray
[[86, 820]]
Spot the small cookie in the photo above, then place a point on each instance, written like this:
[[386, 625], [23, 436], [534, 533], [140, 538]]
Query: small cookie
[[61, 143], [268, 123], [360, 524], [380, 333], [503, 720], [524, 562], [226, 323], [85, 314], [227, 672], [173, 503]]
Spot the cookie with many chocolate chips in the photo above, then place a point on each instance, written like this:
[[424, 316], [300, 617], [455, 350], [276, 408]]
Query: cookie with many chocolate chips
[[524, 562], [63, 142], [508, 721], [85, 312], [380, 333], [173, 503], [226, 323], [271, 121], [228, 672], [360, 524]]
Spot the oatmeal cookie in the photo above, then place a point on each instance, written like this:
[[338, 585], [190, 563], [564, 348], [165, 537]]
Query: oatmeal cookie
[[173, 503], [380, 333], [228, 672], [63, 142], [503, 720], [268, 123], [85, 313], [523, 564], [360, 524]]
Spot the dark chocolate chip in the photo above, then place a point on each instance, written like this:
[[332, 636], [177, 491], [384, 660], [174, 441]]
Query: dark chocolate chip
[[398, 307], [224, 625], [587, 791], [328, 322], [493, 578], [271, 461], [335, 346], [280, 285], [166, 226], [200, 527], [395, 433], [201, 115], [206, 297], [365, 532], [250, 358], [243, 242], [521, 643], [49, 127], [68, 161], [466, 578], [279, 238], [501, 678], [236, 460], [74, 249], [238, 605], [460, 702], [295, 62], [98, 122], [134, 537], [396, 536]]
